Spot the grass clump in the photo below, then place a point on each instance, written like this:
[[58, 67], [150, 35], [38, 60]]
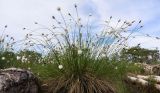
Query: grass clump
[[6, 48], [73, 57], [80, 55]]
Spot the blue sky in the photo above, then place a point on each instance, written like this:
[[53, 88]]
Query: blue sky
[[23, 13]]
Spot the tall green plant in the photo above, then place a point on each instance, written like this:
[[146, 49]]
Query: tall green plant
[[6, 49], [78, 51]]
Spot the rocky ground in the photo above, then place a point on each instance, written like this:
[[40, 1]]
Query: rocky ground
[[147, 83], [13, 80]]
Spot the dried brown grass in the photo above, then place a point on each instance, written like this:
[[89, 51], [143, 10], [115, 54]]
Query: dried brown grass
[[84, 84]]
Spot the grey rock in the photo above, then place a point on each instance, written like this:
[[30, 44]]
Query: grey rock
[[156, 69], [13, 80]]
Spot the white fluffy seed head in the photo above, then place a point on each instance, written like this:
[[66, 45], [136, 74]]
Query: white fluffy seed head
[[60, 66], [149, 57], [79, 52], [3, 58], [103, 55], [29, 68], [18, 57], [116, 68]]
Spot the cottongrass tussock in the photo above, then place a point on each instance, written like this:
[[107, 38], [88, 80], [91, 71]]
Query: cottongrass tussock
[[78, 50]]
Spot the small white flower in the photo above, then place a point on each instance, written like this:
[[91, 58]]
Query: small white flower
[[149, 57], [3, 58], [18, 57], [116, 68], [23, 59], [79, 52], [29, 55], [60, 66], [26, 59], [38, 73], [39, 61], [52, 62], [135, 64], [29, 68], [103, 55]]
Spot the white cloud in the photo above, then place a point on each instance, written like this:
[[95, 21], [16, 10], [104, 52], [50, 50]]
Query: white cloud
[[23, 13], [145, 42]]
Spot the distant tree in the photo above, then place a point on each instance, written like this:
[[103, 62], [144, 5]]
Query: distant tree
[[138, 54]]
